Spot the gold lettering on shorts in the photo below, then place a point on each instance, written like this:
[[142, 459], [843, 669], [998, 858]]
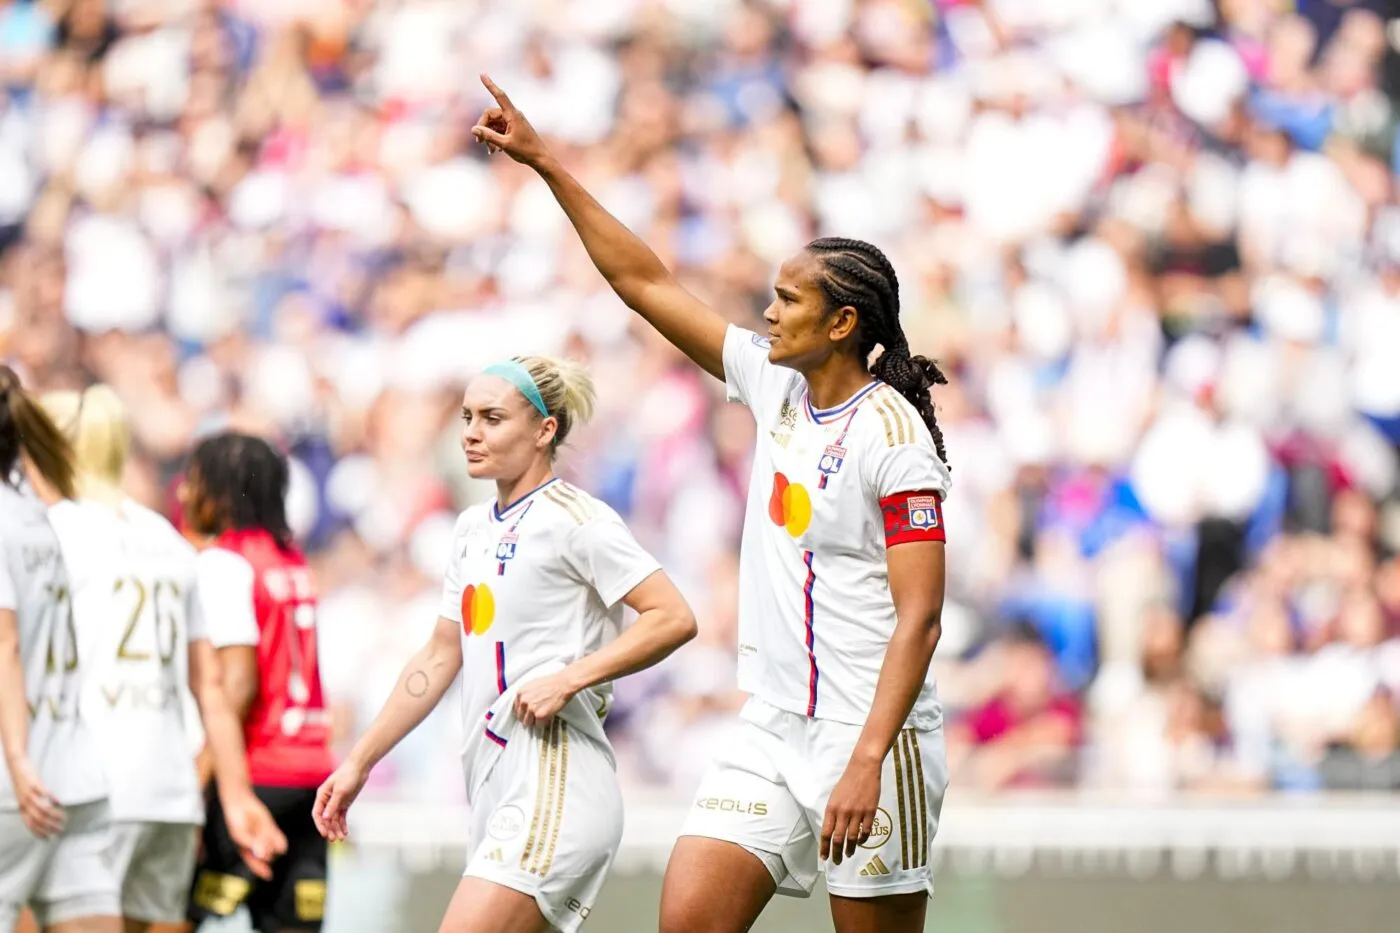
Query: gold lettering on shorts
[[310, 899], [220, 894]]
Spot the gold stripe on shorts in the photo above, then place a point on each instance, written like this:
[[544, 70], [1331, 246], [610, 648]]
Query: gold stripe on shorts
[[912, 824], [551, 790], [923, 795], [539, 806], [899, 792], [563, 787]]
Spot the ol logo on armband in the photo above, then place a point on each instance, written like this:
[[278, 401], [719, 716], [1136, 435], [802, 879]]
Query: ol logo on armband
[[912, 517], [923, 513]]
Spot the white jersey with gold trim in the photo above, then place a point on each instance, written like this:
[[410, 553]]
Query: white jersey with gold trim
[[34, 585], [534, 587], [133, 578], [815, 611]]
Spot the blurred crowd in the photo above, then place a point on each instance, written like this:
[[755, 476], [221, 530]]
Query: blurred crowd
[[1155, 243]]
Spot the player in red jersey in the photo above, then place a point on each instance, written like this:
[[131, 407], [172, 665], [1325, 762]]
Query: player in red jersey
[[259, 605]]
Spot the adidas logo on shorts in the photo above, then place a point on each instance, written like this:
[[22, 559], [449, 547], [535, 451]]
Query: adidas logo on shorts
[[874, 867]]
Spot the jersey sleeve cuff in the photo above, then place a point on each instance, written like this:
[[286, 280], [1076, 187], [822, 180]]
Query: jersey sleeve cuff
[[913, 516], [628, 584]]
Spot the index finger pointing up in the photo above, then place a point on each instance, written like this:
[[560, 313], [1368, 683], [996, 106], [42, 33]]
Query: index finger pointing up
[[496, 92]]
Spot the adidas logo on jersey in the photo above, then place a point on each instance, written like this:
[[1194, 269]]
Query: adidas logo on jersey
[[496, 856], [874, 867]]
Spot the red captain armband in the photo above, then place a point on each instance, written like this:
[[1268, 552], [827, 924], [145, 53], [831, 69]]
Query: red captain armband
[[912, 516]]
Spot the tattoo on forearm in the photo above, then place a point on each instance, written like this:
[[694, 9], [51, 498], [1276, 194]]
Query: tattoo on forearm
[[417, 684]]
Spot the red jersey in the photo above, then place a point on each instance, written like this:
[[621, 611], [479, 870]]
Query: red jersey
[[288, 727]]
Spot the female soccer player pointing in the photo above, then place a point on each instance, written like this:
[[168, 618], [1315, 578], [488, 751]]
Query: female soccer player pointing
[[530, 615], [841, 584]]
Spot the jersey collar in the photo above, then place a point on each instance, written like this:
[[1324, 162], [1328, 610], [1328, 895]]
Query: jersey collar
[[501, 514], [827, 415]]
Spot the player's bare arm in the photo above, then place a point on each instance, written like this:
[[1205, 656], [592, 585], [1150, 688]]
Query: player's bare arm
[[638, 276], [664, 623], [239, 666], [38, 808], [250, 824], [425, 678], [916, 572]]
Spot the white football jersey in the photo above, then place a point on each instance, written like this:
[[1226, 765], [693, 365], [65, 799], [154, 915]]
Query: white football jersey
[[815, 611], [34, 585], [133, 578], [534, 587]]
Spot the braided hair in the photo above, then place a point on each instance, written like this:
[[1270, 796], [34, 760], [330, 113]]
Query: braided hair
[[858, 275]]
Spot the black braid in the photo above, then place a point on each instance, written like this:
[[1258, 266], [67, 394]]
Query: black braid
[[858, 275]]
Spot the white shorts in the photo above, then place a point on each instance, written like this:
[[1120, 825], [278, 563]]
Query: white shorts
[[767, 792], [155, 862], [548, 820], [62, 878]]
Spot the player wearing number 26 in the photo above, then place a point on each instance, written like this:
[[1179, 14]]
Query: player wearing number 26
[[259, 605], [54, 825], [143, 647]]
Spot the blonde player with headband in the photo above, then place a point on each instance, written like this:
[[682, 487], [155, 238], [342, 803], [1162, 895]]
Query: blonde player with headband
[[54, 828], [531, 611], [143, 644]]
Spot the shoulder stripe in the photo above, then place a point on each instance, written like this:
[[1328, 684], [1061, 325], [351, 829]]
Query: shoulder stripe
[[885, 417], [887, 406], [585, 503], [898, 407], [574, 511]]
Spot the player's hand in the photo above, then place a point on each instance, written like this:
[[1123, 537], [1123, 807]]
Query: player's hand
[[334, 798], [254, 831], [504, 128], [538, 700], [38, 808], [850, 811]]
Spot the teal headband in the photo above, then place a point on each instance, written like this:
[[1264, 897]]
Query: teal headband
[[520, 377]]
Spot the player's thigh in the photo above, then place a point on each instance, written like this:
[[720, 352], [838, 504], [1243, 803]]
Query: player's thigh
[[894, 860], [893, 913], [481, 906], [713, 886], [92, 924], [294, 901], [547, 823], [22, 861], [156, 864], [79, 892]]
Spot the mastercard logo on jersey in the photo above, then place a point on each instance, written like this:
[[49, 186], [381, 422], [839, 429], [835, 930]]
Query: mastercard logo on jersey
[[790, 505], [478, 609]]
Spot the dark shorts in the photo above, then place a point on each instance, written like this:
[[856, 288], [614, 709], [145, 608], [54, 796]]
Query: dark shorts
[[295, 898]]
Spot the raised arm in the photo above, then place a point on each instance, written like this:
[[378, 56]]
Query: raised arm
[[631, 268], [424, 680]]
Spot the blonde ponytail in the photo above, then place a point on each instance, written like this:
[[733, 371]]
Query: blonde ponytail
[[25, 428], [567, 391], [96, 423]]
